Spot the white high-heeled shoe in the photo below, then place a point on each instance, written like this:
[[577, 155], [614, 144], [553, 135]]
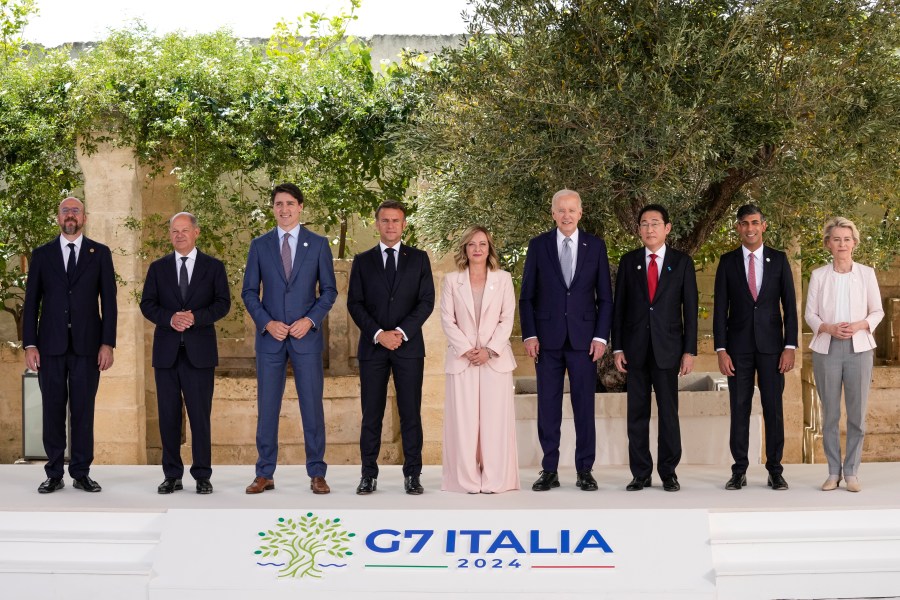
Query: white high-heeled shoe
[[853, 483], [831, 483]]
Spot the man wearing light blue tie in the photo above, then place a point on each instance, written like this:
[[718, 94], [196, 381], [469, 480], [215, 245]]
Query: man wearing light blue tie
[[285, 269]]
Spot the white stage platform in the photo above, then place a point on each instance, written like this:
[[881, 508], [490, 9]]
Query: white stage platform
[[128, 542]]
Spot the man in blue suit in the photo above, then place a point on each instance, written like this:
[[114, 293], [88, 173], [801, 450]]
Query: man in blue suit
[[285, 268], [69, 332], [185, 293], [565, 308]]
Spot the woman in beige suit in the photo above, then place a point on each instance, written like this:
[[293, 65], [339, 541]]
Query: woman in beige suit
[[477, 309], [843, 307]]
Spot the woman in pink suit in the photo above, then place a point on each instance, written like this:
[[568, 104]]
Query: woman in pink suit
[[477, 310]]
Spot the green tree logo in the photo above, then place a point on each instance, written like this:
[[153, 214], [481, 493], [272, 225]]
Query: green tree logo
[[300, 542]]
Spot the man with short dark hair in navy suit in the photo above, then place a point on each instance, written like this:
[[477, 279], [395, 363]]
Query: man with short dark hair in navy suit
[[565, 308], [289, 287], [755, 331], [69, 332], [654, 340], [185, 293]]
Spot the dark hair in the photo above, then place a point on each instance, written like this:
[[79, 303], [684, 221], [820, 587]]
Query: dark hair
[[657, 208], [287, 188], [391, 204], [749, 209]]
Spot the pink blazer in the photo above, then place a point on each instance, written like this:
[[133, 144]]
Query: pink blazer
[[865, 303], [458, 320]]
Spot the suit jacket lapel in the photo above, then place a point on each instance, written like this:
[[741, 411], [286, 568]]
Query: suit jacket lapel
[[402, 263], [197, 276], [665, 274], [85, 257], [302, 251], [580, 257], [274, 245], [553, 254], [59, 259], [490, 293], [766, 274], [465, 290]]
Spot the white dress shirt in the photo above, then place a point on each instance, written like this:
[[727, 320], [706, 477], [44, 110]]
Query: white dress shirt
[[64, 244]]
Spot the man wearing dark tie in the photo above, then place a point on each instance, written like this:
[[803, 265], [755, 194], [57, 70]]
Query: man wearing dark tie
[[755, 331], [390, 297], [185, 293], [654, 340], [289, 287], [565, 308], [69, 332]]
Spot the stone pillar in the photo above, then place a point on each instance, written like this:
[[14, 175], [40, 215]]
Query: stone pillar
[[113, 193]]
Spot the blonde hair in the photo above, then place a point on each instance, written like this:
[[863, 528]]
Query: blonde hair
[[462, 259], [833, 222]]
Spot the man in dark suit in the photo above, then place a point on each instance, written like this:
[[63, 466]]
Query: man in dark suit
[[391, 295], [289, 287], [185, 293], [565, 307], [69, 332], [654, 340], [754, 288]]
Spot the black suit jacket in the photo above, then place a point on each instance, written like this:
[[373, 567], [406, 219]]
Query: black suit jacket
[[743, 326], [51, 302], [374, 305], [669, 323], [208, 299]]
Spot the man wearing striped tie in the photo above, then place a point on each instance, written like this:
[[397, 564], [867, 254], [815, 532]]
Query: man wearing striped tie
[[755, 333]]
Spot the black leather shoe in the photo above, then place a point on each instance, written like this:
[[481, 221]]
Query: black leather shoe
[[639, 483], [412, 485], [367, 485], [204, 486], [670, 483], [50, 485], [586, 482], [737, 481], [547, 480], [169, 485], [777, 482], [86, 484]]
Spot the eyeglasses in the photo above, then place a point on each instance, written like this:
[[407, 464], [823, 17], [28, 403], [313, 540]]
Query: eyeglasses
[[652, 224], [70, 211]]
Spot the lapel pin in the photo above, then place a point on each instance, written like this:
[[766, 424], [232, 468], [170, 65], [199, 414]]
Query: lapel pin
[[491, 287], [91, 250], [305, 244], [668, 268], [639, 267], [767, 259]]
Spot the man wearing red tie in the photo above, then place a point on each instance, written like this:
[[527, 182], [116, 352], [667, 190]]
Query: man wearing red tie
[[754, 288], [654, 340]]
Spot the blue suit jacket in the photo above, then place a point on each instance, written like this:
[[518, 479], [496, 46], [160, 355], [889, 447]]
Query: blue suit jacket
[[552, 312], [49, 294], [269, 295], [208, 299]]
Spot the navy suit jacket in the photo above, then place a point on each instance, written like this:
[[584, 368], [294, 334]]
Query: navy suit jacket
[[208, 299], [51, 302], [743, 326], [374, 305], [269, 295], [669, 323], [552, 312]]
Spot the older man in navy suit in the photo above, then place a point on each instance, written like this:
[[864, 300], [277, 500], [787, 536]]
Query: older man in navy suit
[[289, 287], [69, 332], [755, 330], [185, 293], [565, 308]]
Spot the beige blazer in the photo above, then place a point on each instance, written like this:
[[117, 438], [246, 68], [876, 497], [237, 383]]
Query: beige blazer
[[498, 308], [865, 303]]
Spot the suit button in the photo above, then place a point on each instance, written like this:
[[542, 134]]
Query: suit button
[[568, 293], [651, 308], [392, 299]]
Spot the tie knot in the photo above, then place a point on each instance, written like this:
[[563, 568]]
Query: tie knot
[[653, 257], [184, 260], [567, 240], [287, 236], [71, 245], [390, 251]]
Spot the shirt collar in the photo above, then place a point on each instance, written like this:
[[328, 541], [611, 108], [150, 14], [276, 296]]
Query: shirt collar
[[295, 233], [384, 246], [560, 236], [64, 243], [192, 255], [660, 254], [758, 253]]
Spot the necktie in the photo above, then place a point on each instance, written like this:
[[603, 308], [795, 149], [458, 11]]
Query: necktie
[[565, 261], [70, 262], [652, 276], [751, 277], [183, 278], [390, 266], [286, 261]]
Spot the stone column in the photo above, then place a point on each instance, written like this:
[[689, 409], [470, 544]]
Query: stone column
[[113, 193]]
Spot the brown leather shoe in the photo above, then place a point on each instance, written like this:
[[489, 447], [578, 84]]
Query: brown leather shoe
[[259, 485], [318, 485]]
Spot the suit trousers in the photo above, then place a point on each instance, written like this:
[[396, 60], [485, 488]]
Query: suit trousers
[[271, 371], [665, 383], [185, 385], [373, 375], [747, 368], [842, 367], [68, 380], [551, 369]]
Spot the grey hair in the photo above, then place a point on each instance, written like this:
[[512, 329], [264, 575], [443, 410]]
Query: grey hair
[[193, 219], [563, 193]]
